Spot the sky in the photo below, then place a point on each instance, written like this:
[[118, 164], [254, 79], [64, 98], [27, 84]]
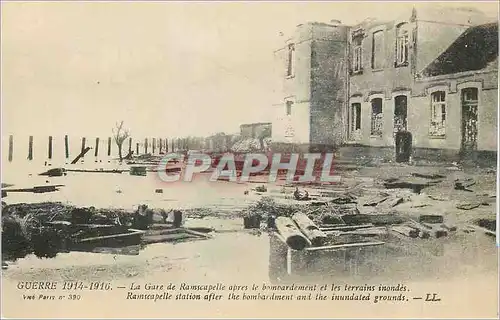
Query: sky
[[164, 68]]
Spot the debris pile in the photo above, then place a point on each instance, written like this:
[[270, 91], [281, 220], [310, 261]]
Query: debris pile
[[49, 228]]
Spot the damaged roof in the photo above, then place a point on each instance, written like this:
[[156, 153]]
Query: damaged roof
[[475, 49]]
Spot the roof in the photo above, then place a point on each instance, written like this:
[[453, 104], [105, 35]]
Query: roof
[[476, 49]]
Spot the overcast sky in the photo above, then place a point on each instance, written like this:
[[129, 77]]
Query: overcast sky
[[166, 69]]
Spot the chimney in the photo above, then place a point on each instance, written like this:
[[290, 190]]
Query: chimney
[[335, 22]]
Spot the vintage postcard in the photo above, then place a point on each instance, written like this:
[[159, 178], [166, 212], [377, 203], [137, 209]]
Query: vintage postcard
[[249, 159]]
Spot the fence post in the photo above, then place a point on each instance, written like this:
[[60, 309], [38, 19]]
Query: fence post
[[129, 145], [50, 147], [146, 145], [137, 148], [109, 146], [11, 147], [96, 151], [30, 148], [66, 146], [153, 145]]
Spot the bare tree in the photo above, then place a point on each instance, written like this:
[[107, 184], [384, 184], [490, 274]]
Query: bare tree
[[120, 135]]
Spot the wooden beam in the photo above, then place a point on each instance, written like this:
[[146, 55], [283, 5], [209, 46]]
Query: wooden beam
[[347, 246], [50, 148], [66, 146], [11, 147], [30, 148]]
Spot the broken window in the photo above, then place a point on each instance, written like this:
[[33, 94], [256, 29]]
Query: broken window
[[438, 114], [378, 50], [355, 117], [289, 105], [469, 118], [402, 45], [290, 71], [377, 118], [357, 55]]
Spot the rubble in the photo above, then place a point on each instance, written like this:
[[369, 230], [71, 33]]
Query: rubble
[[464, 184], [46, 229]]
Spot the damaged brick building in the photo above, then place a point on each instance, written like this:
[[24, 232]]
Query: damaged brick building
[[433, 73]]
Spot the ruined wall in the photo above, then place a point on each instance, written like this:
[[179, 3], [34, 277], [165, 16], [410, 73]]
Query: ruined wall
[[328, 84], [294, 128]]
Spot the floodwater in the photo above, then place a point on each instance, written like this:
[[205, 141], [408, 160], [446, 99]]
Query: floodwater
[[122, 190]]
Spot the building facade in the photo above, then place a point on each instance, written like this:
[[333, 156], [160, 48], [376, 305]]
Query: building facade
[[313, 92], [433, 73]]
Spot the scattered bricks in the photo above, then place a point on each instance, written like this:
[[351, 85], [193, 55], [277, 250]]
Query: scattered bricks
[[464, 184], [405, 230], [423, 231], [448, 227], [468, 206], [436, 230], [431, 218]]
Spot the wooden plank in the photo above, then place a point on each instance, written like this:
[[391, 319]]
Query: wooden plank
[[196, 233], [405, 230], [113, 236], [347, 246], [346, 228], [80, 155]]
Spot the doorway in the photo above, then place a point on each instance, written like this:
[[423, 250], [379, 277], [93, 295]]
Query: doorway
[[400, 113], [469, 104]]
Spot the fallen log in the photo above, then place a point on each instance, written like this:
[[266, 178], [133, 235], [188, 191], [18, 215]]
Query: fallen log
[[291, 233], [37, 189], [310, 230], [96, 170], [55, 172]]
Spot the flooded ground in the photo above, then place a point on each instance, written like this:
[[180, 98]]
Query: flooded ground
[[235, 255]]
